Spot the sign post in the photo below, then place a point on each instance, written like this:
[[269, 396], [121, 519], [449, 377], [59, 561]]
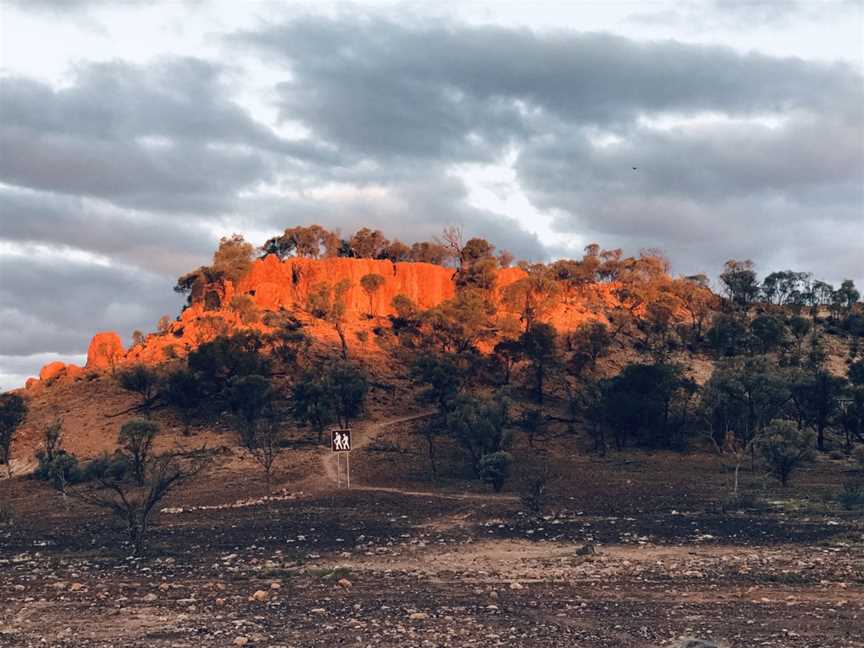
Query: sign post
[[340, 442]]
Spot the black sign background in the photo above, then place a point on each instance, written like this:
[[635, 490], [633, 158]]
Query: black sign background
[[340, 440]]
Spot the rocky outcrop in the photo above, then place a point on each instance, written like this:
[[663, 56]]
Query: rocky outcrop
[[51, 371], [105, 351], [276, 285]]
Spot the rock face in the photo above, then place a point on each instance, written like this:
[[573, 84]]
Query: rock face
[[274, 285], [105, 351], [51, 371], [287, 284]]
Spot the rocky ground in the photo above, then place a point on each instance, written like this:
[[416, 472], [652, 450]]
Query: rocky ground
[[633, 551]]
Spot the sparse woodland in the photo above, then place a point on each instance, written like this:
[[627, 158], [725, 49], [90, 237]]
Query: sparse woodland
[[784, 350], [746, 385]]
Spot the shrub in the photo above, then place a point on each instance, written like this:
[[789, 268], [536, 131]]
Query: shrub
[[13, 409], [858, 455], [62, 469], [494, 468], [7, 514], [851, 497], [784, 448]]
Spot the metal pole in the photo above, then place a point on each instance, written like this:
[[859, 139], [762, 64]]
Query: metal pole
[[348, 467]]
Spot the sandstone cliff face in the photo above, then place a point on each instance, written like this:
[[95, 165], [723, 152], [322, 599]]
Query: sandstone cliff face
[[275, 285], [287, 284]]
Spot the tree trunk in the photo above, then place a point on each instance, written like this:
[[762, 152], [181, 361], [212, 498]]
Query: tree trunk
[[430, 442]]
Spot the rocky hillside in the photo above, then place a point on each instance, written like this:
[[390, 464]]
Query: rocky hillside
[[284, 286]]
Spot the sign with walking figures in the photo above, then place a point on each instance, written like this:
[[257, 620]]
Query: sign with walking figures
[[340, 440], [340, 443]]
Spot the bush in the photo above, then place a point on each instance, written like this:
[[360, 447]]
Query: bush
[[534, 492], [858, 455], [7, 514], [851, 497], [784, 448], [494, 468], [62, 469]]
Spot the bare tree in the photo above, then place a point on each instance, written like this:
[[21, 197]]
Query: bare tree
[[111, 488], [452, 240]]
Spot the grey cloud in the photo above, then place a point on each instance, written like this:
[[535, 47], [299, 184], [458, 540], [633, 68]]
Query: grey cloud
[[410, 210], [408, 90], [160, 136], [56, 304], [166, 244], [14, 370], [809, 160]]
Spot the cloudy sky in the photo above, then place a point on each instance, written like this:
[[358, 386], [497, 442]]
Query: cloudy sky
[[133, 134]]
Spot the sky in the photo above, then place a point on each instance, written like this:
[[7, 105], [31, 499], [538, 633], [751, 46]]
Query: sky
[[134, 134]]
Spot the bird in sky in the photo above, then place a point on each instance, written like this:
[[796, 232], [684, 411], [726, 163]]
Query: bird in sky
[[634, 168]]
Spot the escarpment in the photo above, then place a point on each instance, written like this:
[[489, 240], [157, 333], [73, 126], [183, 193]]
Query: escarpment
[[285, 286]]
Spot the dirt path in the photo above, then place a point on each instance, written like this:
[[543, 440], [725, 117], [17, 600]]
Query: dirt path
[[362, 437], [365, 435]]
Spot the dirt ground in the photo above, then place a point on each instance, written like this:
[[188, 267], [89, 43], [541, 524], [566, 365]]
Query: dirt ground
[[634, 550]]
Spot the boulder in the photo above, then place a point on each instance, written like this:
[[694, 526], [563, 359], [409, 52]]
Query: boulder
[[51, 371], [74, 372], [105, 351], [32, 383]]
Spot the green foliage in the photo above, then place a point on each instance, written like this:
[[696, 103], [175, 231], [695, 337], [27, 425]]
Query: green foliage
[[368, 244], [217, 362], [141, 380], [590, 342], [312, 242], [743, 396], [233, 257], [494, 468], [54, 463], [851, 497], [769, 333], [13, 410], [533, 296], [258, 421], [856, 373], [328, 303], [396, 252], [478, 425], [249, 396], [739, 281], [727, 335], [349, 386], [649, 404], [63, 470], [335, 391], [442, 376], [816, 395], [459, 324], [784, 448], [539, 346], [371, 283], [311, 401], [184, 392]]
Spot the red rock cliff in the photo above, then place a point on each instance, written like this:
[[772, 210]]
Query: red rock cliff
[[273, 285]]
